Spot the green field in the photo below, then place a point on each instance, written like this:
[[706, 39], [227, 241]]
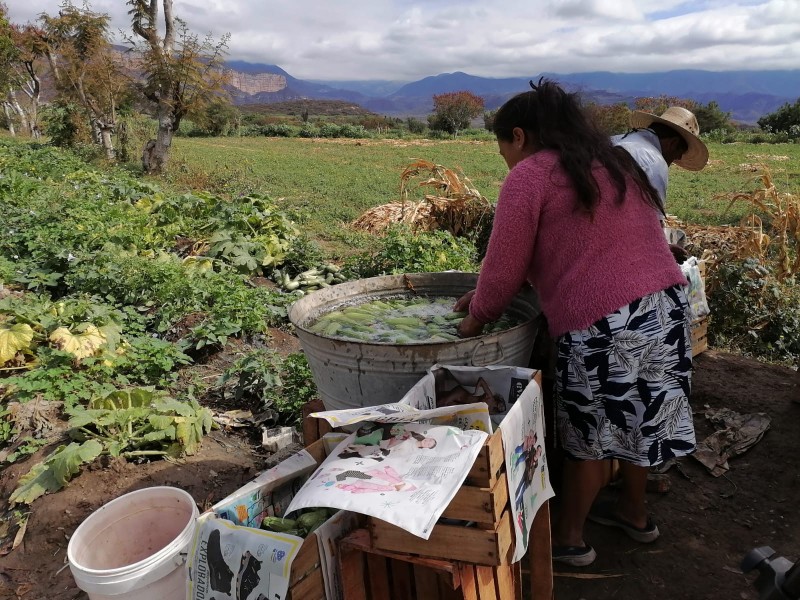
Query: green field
[[336, 180]]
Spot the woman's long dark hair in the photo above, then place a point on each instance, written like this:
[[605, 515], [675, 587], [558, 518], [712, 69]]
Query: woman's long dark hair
[[555, 120]]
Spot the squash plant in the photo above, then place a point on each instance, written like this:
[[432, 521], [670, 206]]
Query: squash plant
[[134, 423]]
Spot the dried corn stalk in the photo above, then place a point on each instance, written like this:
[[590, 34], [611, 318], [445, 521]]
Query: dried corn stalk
[[783, 213], [455, 206], [777, 225]]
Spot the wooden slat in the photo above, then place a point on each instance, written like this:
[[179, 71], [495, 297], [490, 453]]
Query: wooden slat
[[360, 540], [517, 573], [540, 555], [351, 564], [311, 425], [506, 586], [490, 459], [317, 451], [479, 503], [426, 583], [469, 583], [310, 588], [307, 559], [506, 537], [402, 582], [486, 583], [378, 575], [699, 329], [450, 542]]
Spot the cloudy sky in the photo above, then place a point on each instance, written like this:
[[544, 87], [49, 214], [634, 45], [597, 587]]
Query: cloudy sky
[[405, 40]]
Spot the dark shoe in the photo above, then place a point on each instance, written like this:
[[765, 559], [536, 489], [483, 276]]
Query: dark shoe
[[220, 574], [603, 513], [575, 556], [248, 575]]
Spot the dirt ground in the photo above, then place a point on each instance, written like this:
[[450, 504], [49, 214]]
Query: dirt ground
[[708, 524]]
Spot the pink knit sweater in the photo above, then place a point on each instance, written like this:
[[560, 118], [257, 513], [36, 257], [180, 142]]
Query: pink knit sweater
[[582, 269]]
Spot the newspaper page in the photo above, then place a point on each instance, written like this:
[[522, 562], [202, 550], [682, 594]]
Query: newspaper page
[[231, 562], [526, 464], [451, 386], [403, 473], [464, 416]]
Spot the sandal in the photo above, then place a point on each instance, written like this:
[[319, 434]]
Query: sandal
[[575, 556], [604, 514]]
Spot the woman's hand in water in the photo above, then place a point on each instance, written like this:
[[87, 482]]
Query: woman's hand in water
[[462, 304], [469, 327]]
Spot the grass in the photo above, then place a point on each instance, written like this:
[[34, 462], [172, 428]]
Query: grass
[[699, 197], [333, 181]]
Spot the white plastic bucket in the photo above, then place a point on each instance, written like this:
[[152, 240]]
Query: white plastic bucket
[[134, 547]]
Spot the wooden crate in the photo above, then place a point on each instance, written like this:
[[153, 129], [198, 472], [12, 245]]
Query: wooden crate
[[369, 573], [699, 330], [483, 551], [699, 327], [483, 499]]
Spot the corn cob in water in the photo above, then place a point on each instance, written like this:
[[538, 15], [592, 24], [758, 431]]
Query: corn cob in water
[[400, 321]]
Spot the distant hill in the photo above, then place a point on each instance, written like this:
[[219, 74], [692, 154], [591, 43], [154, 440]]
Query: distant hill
[[747, 95]]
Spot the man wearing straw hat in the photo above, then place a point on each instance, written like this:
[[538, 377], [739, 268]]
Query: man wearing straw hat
[[655, 142]]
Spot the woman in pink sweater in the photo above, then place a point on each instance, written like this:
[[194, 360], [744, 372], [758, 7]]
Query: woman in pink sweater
[[575, 219]]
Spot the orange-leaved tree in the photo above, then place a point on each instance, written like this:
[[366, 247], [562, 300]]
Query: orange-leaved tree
[[453, 111]]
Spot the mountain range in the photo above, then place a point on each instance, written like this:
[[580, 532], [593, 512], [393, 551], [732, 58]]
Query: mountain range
[[747, 95]]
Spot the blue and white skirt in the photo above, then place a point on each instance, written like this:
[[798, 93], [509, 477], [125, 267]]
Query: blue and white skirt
[[623, 383]]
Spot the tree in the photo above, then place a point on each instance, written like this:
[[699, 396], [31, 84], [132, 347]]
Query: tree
[[85, 68], [785, 119], [658, 104], [488, 119], [711, 117], [183, 74], [612, 118], [20, 57], [218, 118], [454, 111]]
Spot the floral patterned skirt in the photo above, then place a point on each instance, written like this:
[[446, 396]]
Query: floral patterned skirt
[[623, 383]]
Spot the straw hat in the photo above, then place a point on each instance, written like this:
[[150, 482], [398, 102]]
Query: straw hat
[[684, 122]]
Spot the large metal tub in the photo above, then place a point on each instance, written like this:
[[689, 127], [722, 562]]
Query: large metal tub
[[351, 374]]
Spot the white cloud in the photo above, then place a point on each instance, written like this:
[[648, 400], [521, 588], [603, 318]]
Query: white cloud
[[402, 40]]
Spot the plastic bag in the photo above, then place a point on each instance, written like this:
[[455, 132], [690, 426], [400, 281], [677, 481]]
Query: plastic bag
[[696, 291]]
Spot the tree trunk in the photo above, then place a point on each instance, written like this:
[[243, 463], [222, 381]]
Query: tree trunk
[[108, 145], [9, 120], [156, 152], [23, 119]]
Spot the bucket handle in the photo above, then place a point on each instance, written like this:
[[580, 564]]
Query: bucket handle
[[481, 344]]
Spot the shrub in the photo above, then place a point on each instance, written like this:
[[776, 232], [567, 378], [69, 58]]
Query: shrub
[[753, 311], [403, 251]]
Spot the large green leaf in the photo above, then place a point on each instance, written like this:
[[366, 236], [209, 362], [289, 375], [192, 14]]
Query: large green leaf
[[14, 339], [55, 471], [170, 405]]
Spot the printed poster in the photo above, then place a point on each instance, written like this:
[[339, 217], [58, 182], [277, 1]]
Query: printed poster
[[403, 473], [526, 464]]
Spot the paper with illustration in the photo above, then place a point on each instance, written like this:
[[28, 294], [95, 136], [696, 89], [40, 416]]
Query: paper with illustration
[[403, 473], [526, 464]]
